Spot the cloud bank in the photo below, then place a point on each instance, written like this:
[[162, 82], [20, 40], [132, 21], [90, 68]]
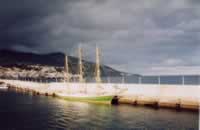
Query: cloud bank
[[137, 36]]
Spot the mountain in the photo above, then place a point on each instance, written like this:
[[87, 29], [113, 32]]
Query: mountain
[[15, 63]]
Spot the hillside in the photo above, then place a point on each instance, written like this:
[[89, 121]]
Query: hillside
[[22, 64]]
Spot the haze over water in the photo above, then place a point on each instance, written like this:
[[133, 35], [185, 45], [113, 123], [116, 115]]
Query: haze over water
[[20, 111]]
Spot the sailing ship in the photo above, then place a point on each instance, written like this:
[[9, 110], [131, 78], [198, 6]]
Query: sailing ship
[[99, 95]]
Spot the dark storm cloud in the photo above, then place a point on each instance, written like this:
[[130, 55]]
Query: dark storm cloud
[[14, 20], [22, 25], [139, 36]]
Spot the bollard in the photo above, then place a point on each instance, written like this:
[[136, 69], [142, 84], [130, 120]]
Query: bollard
[[178, 105], [34, 93], [156, 105], [54, 95], [46, 94], [135, 103]]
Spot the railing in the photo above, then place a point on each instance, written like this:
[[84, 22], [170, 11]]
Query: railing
[[176, 80]]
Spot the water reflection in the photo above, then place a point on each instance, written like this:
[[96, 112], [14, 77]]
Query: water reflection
[[22, 111]]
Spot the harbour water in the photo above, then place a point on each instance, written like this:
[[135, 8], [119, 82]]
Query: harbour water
[[22, 111]]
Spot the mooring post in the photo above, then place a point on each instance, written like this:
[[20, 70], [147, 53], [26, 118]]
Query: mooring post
[[135, 103], [178, 105]]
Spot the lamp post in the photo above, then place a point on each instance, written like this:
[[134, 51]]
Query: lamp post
[[123, 79], [140, 80], [183, 80], [108, 79], [159, 79]]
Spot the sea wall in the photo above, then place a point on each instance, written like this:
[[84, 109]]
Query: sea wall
[[186, 96]]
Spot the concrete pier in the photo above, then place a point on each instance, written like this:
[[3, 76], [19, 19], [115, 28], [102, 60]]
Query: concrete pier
[[158, 96]]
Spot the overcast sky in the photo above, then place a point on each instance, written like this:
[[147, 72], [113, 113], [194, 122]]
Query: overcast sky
[[136, 36]]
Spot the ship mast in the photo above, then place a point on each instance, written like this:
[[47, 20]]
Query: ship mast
[[98, 73], [80, 65], [66, 69]]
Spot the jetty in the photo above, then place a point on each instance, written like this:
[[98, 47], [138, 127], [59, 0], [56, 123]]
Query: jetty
[[160, 96]]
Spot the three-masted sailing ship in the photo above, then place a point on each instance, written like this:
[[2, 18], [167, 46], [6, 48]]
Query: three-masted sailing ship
[[100, 95]]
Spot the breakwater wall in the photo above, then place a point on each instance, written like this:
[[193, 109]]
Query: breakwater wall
[[171, 96]]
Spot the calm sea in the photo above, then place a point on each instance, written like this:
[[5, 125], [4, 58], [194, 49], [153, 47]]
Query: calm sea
[[20, 111]]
